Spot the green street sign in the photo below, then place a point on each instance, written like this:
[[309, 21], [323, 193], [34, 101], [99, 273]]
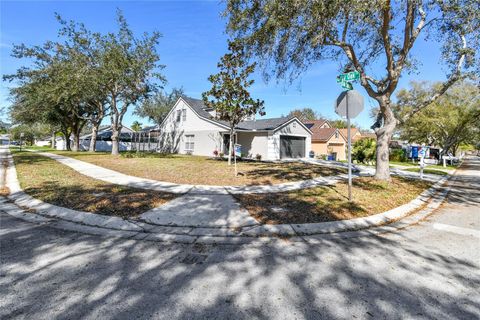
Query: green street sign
[[352, 76], [345, 79]]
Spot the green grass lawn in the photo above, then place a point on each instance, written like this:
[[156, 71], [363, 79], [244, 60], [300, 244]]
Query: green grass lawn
[[331, 203], [36, 148], [428, 170], [52, 182], [203, 170], [416, 164], [407, 163]]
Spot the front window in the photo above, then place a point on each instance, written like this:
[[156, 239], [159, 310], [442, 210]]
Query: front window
[[336, 134], [189, 143], [184, 114], [179, 115]]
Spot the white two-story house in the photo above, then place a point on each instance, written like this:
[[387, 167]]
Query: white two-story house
[[191, 127]]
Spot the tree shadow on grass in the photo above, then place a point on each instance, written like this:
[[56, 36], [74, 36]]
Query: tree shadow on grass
[[315, 205], [107, 199], [62, 275], [266, 173], [28, 158], [330, 203]]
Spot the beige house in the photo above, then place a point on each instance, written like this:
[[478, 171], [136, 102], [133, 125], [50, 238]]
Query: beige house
[[329, 141]]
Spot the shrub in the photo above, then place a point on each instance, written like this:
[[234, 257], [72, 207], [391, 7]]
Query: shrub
[[134, 154], [215, 153], [322, 156], [258, 157], [221, 154], [398, 155], [364, 150]]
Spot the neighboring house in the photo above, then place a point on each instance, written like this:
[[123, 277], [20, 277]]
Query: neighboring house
[[4, 139], [354, 133], [44, 142], [368, 134], [327, 141], [191, 128], [104, 140]]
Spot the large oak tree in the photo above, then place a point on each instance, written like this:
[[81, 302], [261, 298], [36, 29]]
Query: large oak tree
[[452, 120], [372, 37], [130, 71]]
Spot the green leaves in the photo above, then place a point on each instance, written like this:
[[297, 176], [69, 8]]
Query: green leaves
[[229, 95], [305, 114], [364, 150], [84, 75], [452, 120], [158, 106]]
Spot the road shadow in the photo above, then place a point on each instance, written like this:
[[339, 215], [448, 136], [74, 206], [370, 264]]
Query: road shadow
[[48, 273]]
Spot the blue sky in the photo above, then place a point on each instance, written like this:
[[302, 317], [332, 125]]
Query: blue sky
[[193, 41]]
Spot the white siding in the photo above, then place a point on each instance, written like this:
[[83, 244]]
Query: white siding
[[253, 143], [207, 137], [273, 146], [205, 142], [292, 129]]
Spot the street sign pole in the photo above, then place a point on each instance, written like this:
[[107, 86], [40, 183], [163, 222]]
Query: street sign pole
[[349, 155], [349, 104]]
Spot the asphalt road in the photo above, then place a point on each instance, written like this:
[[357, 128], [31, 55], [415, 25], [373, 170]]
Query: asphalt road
[[427, 271]]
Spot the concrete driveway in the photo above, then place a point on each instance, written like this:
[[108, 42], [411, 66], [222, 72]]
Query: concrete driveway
[[427, 271]]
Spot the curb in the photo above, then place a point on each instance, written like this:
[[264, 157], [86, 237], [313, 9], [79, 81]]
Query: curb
[[72, 220]]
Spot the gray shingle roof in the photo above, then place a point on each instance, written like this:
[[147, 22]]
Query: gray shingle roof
[[261, 124], [198, 106]]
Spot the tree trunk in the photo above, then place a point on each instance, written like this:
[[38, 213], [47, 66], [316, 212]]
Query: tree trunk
[[230, 145], [115, 139], [76, 131], [93, 138], [384, 135], [53, 140], [76, 142], [66, 137]]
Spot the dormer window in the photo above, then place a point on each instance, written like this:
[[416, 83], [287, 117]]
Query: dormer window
[[336, 134], [294, 124], [179, 115], [184, 114]]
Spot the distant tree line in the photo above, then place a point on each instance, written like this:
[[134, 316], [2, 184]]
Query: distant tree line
[[308, 114], [83, 77]]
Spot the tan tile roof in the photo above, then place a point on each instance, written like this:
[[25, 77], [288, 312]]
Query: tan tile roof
[[322, 134], [314, 123], [369, 135], [353, 132]]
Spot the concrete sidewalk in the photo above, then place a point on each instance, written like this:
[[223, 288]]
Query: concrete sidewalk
[[115, 177], [203, 218]]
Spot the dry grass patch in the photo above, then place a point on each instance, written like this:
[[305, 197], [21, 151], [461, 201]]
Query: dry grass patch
[[331, 203], [186, 169], [52, 182], [4, 191]]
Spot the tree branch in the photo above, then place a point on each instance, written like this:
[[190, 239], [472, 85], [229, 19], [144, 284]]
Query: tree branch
[[386, 40], [410, 34], [456, 76], [350, 52], [345, 27]]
